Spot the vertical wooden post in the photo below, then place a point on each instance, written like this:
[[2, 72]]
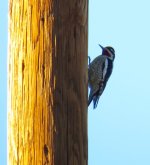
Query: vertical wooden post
[[47, 82]]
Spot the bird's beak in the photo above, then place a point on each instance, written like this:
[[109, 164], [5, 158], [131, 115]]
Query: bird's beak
[[101, 46]]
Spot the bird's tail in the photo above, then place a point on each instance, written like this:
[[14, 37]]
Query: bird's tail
[[92, 96], [95, 97], [95, 101], [89, 100]]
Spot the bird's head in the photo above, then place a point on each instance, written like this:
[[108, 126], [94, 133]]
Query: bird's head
[[108, 51]]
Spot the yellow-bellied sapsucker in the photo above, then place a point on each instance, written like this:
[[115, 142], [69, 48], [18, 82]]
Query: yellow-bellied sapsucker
[[99, 72]]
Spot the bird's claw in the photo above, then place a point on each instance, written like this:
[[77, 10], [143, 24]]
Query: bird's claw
[[89, 59]]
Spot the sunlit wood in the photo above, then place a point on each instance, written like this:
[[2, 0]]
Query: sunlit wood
[[47, 82]]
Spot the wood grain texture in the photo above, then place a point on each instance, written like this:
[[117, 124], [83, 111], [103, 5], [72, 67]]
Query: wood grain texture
[[47, 82]]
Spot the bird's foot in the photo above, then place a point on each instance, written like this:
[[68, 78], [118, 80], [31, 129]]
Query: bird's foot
[[89, 59]]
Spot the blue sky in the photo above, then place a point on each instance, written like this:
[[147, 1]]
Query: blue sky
[[3, 80], [119, 129]]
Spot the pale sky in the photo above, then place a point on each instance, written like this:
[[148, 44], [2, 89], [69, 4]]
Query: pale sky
[[119, 129], [3, 80]]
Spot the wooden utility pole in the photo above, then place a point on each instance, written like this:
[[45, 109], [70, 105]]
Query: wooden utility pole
[[47, 82]]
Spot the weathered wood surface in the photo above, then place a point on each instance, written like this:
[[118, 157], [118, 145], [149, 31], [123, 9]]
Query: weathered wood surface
[[47, 82]]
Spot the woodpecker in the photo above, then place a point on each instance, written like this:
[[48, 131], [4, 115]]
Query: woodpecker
[[99, 71]]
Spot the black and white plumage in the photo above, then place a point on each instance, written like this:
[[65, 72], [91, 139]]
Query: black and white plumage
[[99, 72]]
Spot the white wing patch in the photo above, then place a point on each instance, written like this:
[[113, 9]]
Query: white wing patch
[[105, 68]]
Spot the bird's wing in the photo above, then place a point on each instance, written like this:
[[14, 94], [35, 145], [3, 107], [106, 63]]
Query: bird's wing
[[95, 76], [95, 71]]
